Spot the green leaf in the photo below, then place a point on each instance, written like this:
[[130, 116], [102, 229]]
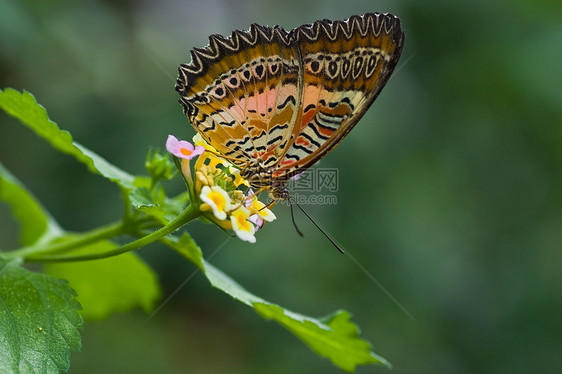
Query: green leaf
[[142, 198], [160, 166], [112, 285], [39, 321], [155, 203], [335, 337], [33, 219], [24, 107]]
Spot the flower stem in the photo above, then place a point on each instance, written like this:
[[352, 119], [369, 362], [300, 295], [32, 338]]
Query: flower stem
[[189, 214], [80, 240]]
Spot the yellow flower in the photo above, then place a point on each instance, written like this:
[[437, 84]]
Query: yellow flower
[[198, 140], [241, 226], [218, 188], [217, 199], [259, 208], [238, 180], [211, 155]]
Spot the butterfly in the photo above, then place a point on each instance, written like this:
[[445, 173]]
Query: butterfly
[[274, 102]]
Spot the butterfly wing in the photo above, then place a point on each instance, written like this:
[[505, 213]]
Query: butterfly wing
[[345, 65], [242, 93]]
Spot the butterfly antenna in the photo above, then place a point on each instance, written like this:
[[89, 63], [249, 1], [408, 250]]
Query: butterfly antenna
[[358, 264], [338, 247], [293, 219], [380, 286], [398, 68], [160, 66]]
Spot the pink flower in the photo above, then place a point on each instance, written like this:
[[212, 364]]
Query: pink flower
[[182, 148], [256, 220], [259, 210]]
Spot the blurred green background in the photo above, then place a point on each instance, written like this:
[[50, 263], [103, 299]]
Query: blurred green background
[[449, 193]]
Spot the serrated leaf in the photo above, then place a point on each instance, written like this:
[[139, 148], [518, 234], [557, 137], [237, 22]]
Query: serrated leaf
[[142, 198], [112, 285], [39, 321], [33, 219], [159, 206], [335, 337], [187, 247], [25, 108]]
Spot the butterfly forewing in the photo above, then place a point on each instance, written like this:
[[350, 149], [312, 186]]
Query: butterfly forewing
[[271, 102], [241, 93]]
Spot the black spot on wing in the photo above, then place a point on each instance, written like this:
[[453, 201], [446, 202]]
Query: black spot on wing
[[276, 139], [289, 99]]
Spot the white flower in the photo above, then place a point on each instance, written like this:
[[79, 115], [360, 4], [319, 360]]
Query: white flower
[[259, 210], [217, 199], [241, 226]]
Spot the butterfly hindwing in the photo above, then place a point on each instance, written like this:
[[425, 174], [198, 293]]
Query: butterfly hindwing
[[345, 66]]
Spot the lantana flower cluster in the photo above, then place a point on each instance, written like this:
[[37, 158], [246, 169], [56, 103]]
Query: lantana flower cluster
[[217, 188]]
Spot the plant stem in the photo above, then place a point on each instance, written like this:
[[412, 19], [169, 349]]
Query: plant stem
[[81, 240], [189, 214]]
